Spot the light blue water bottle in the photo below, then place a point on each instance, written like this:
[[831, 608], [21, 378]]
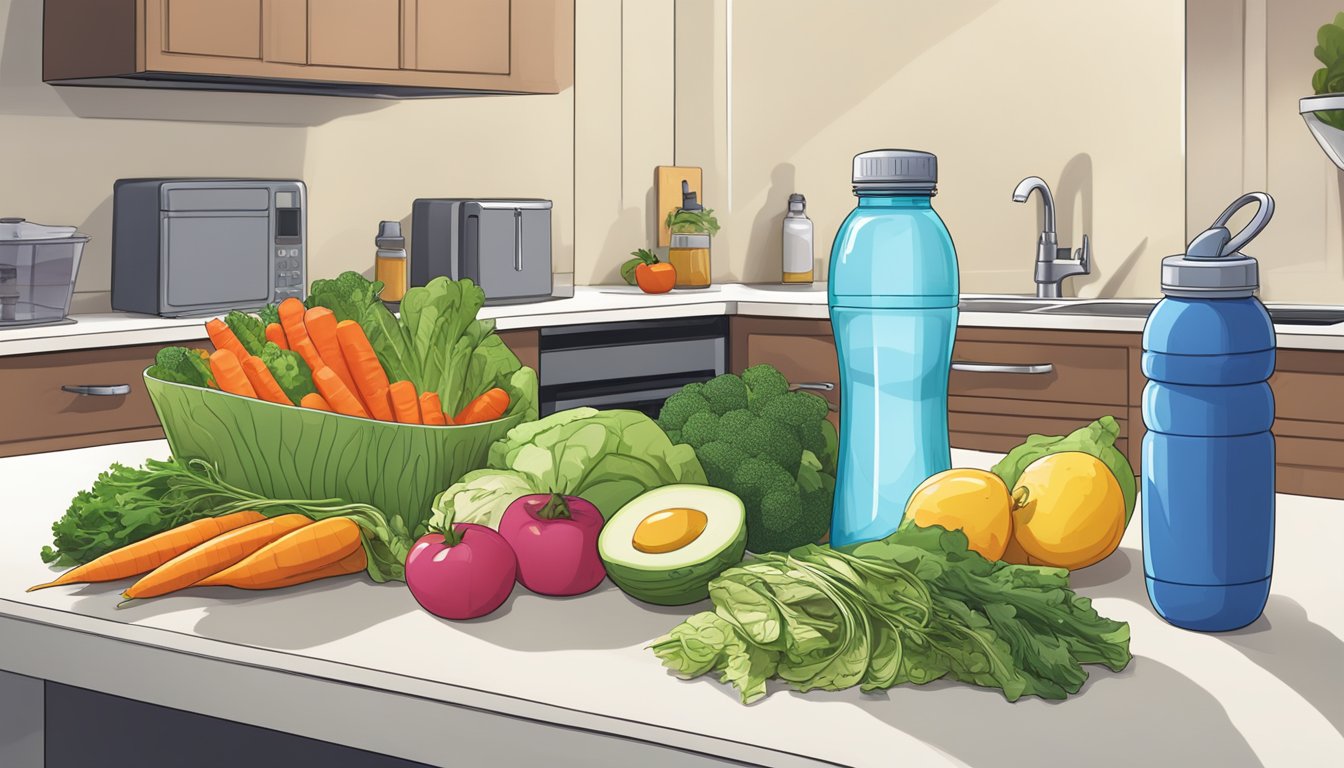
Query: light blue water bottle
[[1208, 456], [893, 304]]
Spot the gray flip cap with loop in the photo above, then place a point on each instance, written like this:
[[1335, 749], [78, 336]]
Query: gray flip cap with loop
[[1213, 266]]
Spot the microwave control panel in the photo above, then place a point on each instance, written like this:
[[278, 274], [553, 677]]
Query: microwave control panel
[[290, 257]]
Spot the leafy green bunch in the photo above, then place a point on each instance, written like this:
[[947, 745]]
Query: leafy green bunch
[[681, 221], [771, 447], [1330, 78], [912, 608]]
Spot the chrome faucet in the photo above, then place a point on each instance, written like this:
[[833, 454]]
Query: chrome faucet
[[1052, 262]]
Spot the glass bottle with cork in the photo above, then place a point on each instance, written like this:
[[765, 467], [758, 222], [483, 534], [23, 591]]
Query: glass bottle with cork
[[691, 226]]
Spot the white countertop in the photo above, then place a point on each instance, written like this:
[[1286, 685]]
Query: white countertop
[[607, 303], [1270, 694]]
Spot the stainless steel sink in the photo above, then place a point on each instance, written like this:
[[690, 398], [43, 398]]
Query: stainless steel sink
[[1001, 305], [1099, 309], [1306, 315]]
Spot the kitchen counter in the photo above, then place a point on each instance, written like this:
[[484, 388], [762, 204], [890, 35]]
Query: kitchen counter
[[607, 303], [356, 663]]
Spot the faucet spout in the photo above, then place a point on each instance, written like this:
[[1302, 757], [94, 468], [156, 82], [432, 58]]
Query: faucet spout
[[1037, 184]]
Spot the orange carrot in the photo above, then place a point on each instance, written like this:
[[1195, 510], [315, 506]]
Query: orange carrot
[[263, 381], [381, 406], [229, 375], [276, 335], [308, 351], [431, 410], [291, 319], [334, 391], [307, 549], [315, 401], [352, 563], [405, 405], [147, 554], [213, 556], [223, 338], [361, 359], [487, 407], [320, 323]]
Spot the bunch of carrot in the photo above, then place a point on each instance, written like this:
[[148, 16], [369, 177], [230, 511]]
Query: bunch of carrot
[[243, 549], [346, 372]]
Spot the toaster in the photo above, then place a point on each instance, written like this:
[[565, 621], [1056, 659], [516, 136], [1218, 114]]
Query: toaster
[[503, 245]]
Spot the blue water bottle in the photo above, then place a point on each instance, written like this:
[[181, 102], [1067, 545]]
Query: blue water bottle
[[893, 304], [1208, 457]]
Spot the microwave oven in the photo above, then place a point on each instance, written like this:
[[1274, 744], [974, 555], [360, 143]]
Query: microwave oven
[[184, 247]]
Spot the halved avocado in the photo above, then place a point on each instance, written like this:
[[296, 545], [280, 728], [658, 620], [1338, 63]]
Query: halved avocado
[[665, 545]]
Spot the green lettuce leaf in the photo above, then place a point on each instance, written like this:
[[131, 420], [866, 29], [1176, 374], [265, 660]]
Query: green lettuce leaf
[[1097, 438], [606, 457], [249, 330]]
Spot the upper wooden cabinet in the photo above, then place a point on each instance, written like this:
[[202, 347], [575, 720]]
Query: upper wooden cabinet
[[388, 48]]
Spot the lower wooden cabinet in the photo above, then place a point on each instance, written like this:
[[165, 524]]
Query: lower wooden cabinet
[[1011, 382], [38, 415]]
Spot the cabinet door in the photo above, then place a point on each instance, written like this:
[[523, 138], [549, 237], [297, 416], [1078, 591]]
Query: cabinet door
[[802, 350], [224, 28], [354, 33], [458, 35]]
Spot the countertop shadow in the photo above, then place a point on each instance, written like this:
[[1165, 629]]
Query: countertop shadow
[[602, 619]]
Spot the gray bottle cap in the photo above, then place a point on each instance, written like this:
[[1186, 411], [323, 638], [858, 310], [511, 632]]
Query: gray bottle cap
[[797, 203], [389, 235], [1213, 265], [895, 170]]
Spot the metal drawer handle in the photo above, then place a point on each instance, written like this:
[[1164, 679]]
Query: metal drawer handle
[[100, 390], [1004, 367], [824, 386]]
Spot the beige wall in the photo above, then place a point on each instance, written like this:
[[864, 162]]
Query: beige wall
[[1249, 63], [1086, 95]]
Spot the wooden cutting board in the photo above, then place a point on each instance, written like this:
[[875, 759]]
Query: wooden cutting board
[[667, 180]]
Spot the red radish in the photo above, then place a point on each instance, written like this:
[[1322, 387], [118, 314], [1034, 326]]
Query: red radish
[[555, 539], [461, 571]]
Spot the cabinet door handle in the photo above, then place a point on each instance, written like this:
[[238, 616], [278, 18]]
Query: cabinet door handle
[[1004, 367], [824, 386], [99, 390]]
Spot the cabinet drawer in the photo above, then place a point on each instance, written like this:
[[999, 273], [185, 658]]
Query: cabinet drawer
[[36, 409], [1078, 374], [1307, 385]]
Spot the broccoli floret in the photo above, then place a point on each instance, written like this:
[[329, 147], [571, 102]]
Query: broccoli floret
[[753, 480], [701, 428], [734, 422], [346, 296], [681, 406], [803, 413], [773, 442], [764, 382], [184, 366], [290, 371], [720, 461], [725, 394]]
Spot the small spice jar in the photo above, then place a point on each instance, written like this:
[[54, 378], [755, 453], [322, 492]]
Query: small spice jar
[[689, 255]]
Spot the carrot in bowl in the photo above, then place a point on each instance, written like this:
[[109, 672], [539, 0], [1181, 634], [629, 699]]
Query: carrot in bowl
[[405, 405], [229, 375], [431, 410], [306, 549], [213, 556], [380, 405], [291, 320], [320, 323], [315, 401], [363, 362], [223, 337], [263, 381], [334, 391], [276, 335], [147, 554], [488, 406], [308, 351]]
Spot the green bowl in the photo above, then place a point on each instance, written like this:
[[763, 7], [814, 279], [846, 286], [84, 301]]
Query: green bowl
[[286, 452]]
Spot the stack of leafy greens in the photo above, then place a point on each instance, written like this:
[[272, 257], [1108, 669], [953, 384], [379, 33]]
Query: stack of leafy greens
[[606, 457], [1330, 78], [912, 608]]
